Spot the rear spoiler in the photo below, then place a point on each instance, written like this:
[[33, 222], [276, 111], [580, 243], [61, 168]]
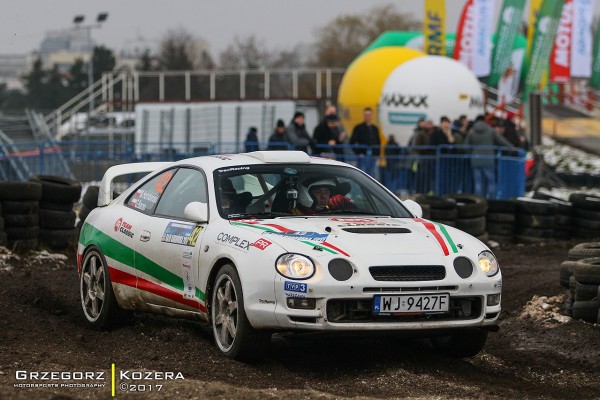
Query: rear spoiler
[[105, 191]]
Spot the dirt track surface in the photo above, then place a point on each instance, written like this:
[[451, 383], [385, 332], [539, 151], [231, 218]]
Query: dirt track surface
[[534, 356]]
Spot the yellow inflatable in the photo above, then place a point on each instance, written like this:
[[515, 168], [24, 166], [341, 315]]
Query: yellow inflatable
[[363, 82]]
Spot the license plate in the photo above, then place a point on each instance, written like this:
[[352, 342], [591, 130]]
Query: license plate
[[411, 303]]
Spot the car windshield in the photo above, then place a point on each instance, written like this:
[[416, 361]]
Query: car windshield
[[277, 190]]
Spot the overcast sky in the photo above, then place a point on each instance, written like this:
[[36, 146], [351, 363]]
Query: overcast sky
[[277, 23]]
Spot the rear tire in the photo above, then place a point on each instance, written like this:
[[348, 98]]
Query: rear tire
[[233, 334], [463, 343]]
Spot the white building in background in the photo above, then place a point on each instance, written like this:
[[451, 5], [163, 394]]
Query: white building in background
[[12, 68]]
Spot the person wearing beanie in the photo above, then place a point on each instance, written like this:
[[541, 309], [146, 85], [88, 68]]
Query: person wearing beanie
[[278, 139], [297, 134]]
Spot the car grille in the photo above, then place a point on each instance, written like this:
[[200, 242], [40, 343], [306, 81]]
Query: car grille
[[349, 310], [408, 273]]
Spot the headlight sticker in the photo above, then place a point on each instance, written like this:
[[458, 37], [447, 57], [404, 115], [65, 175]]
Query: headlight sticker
[[295, 287]]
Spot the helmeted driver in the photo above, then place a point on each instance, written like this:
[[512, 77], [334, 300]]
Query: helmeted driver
[[320, 195]]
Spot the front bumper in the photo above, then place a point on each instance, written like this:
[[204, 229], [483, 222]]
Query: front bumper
[[340, 307]]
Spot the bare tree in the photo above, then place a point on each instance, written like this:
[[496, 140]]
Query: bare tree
[[340, 41]]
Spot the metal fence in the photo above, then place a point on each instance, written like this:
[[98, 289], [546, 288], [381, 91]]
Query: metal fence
[[490, 171]]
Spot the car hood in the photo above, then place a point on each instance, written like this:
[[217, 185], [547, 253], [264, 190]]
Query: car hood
[[355, 237]]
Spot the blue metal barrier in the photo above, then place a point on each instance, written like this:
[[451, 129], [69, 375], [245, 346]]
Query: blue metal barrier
[[436, 170]]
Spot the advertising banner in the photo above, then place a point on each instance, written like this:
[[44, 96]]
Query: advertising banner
[[543, 40], [581, 43], [560, 58], [509, 23], [434, 27], [473, 45], [595, 79]]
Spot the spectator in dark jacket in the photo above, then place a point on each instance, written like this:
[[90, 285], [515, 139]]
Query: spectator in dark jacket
[[328, 134], [251, 142], [297, 134], [483, 160], [365, 139], [278, 139]]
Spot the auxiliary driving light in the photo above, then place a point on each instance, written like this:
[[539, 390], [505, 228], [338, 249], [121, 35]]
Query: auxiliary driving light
[[302, 304]]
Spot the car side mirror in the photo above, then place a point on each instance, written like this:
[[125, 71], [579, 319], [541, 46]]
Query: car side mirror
[[196, 211], [413, 207]]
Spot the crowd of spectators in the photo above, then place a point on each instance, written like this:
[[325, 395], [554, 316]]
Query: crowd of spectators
[[414, 161]]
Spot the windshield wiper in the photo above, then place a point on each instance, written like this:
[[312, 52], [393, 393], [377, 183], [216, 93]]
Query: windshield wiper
[[259, 214]]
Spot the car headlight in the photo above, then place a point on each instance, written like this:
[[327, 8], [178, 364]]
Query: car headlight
[[295, 266], [488, 264]]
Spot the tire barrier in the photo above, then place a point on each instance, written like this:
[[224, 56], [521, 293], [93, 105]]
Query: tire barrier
[[580, 274], [441, 209], [535, 220], [586, 215], [501, 220], [471, 211], [20, 214], [56, 215]]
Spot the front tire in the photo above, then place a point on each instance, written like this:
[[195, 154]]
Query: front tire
[[98, 300], [463, 343], [232, 331]]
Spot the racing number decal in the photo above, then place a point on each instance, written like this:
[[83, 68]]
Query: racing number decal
[[194, 236], [163, 181]]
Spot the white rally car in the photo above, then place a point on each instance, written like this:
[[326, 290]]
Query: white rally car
[[279, 241]]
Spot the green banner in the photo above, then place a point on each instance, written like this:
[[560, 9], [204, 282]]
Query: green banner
[[545, 31], [509, 23], [595, 79]]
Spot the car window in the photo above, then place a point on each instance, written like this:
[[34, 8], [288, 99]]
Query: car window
[[276, 190], [146, 197], [186, 186]]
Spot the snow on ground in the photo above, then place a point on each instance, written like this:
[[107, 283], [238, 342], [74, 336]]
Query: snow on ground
[[568, 159]]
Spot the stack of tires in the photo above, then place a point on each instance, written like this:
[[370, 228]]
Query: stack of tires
[[88, 203], [586, 213], [470, 216], [20, 213], [441, 209], [581, 275], [500, 219], [563, 226], [535, 220], [57, 218]]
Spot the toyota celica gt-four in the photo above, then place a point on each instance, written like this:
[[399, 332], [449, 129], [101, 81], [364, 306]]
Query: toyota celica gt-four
[[273, 241]]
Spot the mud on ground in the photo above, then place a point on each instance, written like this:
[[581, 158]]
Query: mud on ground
[[537, 354]]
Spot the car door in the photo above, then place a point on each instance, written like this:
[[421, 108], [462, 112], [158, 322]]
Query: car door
[[167, 250]]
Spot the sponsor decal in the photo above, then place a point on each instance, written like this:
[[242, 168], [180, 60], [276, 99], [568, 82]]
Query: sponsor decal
[[354, 220], [233, 169], [181, 233], [261, 244], [233, 241], [294, 294], [124, 228], [403, 118], [405, 100], [274, 228], [187, 254], [261, 301], [145, 195], [223, 157], [431, 227], [136, 203], [302, 235], [188, 280], [295, 287]]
